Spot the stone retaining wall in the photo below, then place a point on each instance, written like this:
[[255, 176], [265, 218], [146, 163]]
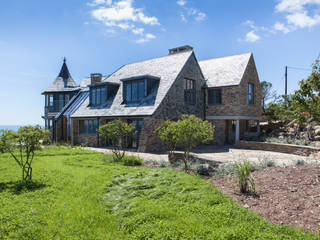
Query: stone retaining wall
[[278, 147]]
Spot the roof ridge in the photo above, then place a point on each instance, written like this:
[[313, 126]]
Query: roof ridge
[[158, 58], [233, 55]]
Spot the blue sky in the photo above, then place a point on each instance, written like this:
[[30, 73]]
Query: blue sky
[[102, 35]]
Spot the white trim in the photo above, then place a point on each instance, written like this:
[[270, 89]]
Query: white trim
[[232, 118]]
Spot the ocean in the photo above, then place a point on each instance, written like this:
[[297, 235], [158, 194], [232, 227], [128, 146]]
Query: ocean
[[10, 127]]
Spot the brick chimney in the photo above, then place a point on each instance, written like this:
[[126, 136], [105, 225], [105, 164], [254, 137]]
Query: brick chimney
[[96, 78], [180, 49]]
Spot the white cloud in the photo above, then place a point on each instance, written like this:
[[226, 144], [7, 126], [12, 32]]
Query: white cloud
[[252, 36], [190, 12], [138, 31], [123, 15], [181, 2], [146, 38], [183, 18], [200, 16], [100, 2], [298, 14], [294, 6], [302, 20], [281, 27]]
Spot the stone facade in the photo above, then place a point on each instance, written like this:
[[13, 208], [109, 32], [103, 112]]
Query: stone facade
[[234, 106], [173, 105]]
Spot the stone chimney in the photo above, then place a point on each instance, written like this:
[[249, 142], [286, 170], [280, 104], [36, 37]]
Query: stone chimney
[[96, 78], [180, 49]]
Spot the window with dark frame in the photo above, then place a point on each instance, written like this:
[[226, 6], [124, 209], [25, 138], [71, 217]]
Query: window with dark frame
[[250, 93], [88, 127], [189, 91], [98, 95], [214, 96], [134, 91]]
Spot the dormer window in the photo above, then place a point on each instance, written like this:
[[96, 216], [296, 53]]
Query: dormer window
[[136, 89], [99, 95]]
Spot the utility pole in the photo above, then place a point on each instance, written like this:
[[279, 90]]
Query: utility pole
[[286, 82]]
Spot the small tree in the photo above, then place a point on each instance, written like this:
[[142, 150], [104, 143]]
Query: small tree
[[167, 132], [193, 131], [266, 93], [188, 132], [307, 98], [22, 146], [117, 132]]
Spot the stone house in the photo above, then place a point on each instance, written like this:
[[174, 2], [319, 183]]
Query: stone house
[[224, 91]]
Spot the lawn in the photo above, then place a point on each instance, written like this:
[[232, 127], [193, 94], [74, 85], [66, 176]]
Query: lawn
[[78, 194]]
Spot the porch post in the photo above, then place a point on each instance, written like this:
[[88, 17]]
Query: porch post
[[237, 130]]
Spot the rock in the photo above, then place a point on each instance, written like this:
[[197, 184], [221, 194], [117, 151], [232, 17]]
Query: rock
[[291, 130], [304, 135], [290, 124], [317, 138], [281, 137], [204, 169], [317, 132], [317, 144], [316, 127], [310, 120]]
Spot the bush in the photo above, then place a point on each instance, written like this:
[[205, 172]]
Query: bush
[[246, 182], [132, 161]]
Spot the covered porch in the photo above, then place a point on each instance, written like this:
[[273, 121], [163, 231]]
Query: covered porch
[[230, 129]]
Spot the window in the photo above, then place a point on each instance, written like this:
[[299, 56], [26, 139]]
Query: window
[[98, 96], [134, 142], [88, 127], [250, 93], [134, 91], [214, 96], [50, 100], [190, 91]]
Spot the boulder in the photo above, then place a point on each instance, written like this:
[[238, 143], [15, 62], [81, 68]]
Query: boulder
[[317, 138], [290, 124], [317, 144], [317, 132], [204, 169]]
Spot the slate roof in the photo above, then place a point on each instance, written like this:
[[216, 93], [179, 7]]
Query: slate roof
[[166, 68], [225, 71], [63, 82]]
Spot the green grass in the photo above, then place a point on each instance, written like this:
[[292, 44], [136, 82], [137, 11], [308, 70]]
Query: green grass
[[78, 194]]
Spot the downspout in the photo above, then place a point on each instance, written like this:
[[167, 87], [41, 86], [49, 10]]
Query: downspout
[[204, 87]]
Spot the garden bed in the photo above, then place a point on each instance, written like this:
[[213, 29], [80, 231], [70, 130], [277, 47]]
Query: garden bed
[[289, 195]]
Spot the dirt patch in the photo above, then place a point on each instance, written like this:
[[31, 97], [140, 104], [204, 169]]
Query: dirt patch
[[286, 195]]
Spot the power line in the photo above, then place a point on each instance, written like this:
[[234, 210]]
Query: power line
[[299, 68]]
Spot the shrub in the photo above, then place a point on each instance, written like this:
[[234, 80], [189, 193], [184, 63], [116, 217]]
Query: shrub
[[132, 161], [246, 182], [187, 132]]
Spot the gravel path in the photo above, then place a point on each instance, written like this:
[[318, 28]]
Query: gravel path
[[227, 155]]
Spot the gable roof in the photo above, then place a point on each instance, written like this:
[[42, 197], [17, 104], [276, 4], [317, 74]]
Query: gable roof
[[225, 71], [166, 68], [63, 82]]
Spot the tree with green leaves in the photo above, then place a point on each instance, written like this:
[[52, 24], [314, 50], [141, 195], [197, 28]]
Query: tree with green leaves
[[306, 100], [117, 132], [266, 93], [167, 132], [187, 132], [22, 146]]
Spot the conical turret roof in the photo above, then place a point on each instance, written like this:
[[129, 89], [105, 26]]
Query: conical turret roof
[[64, 81]]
